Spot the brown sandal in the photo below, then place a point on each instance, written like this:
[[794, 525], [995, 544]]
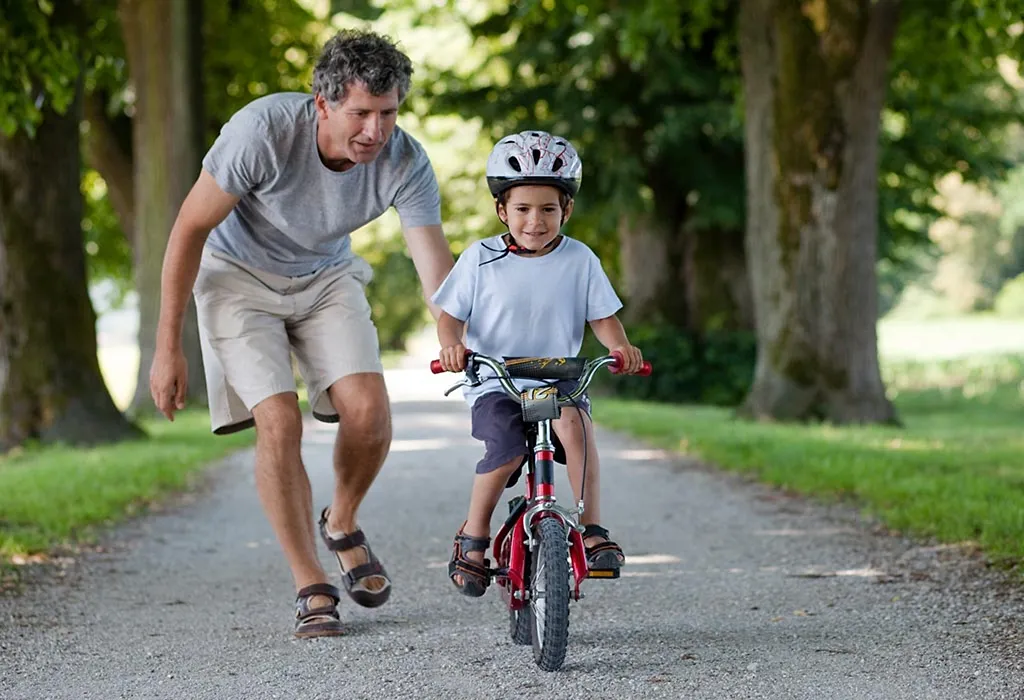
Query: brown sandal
[[354, 580], [604, 559], [475, 576], [322, 621]]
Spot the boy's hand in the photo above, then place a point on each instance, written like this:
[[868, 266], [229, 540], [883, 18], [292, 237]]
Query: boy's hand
[[453, 357], [632, 358]]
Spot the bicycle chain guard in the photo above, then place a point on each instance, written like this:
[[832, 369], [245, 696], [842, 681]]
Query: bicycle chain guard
[[540, 403]]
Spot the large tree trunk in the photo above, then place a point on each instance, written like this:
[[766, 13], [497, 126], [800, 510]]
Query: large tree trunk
[[51, 388], [695, 282], [814, 76], [163, 41]]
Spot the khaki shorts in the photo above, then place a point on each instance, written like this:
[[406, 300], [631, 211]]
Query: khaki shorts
[[251, 322]]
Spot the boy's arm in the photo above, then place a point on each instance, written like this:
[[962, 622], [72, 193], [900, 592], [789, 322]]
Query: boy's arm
[[449, 334], [612, 335]]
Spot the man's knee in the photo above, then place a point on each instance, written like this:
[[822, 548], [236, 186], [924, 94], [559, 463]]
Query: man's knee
[[279, 421], [363, 409]]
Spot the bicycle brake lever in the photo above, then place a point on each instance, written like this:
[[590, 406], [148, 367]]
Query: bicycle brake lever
[[455, 386]]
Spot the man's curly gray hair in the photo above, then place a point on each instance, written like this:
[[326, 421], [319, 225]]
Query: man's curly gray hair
[[361, 56]]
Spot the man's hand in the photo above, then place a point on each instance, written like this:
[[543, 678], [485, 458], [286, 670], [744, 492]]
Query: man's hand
[[168, 381], [453, 357], [632, 358]]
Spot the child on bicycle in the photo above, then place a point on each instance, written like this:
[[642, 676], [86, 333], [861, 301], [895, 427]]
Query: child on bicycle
[[528, 293]]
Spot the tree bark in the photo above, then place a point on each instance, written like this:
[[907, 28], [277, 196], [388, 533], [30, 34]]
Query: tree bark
[[51, 389], [814, 76], [163, 42]]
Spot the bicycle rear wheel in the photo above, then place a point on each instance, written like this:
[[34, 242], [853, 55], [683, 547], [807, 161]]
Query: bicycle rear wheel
[[549, 594]]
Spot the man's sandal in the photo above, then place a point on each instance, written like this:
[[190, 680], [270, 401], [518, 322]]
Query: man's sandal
[[476, 576], [604, 559], [322, 621], [354, 580]]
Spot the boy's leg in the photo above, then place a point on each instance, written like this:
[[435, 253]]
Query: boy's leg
[[487, 490]]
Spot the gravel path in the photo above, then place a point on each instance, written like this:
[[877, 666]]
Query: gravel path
[[732, 590]]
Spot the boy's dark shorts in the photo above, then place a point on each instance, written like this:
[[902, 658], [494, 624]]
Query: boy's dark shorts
[[498, 421]]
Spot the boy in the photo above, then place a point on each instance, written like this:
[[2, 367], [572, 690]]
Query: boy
[[528, 293]]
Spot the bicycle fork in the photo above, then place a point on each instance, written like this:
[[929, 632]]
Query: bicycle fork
[[540, 502]]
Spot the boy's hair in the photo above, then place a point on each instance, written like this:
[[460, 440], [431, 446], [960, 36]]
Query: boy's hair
[[354, 55]]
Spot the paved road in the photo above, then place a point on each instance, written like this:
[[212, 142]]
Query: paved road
[[732, 591]]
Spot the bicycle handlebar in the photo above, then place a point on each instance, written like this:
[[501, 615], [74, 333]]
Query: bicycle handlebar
[[615, 361]]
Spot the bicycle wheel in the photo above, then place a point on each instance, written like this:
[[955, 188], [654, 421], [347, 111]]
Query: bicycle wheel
[[520, 625], [549, 594]]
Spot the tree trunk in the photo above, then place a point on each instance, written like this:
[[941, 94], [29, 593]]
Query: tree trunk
[[717, 283], [163, 42], [814, 76], [51, 389], [648, 272]]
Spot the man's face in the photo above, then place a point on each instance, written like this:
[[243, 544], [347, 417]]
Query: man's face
[[357, 128]]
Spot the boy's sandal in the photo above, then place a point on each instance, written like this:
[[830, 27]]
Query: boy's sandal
[[322, 621], [603, 556], [475, 576], [354, 581]]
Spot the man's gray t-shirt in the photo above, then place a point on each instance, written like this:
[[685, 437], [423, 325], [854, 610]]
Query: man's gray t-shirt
[[525, 307], [295, 214]]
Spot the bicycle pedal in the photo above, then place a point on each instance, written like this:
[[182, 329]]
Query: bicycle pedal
[[603, 573]]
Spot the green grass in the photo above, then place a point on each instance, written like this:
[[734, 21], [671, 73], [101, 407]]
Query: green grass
[[954, 471], [59, 496]]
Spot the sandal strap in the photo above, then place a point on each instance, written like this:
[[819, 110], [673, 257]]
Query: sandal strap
[[358, 573], [593, 530], [324, 589], [606, 546], [467, 567], [468, 543]]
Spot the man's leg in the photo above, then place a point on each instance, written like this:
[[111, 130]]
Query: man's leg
[[283, 486], [364, 437]]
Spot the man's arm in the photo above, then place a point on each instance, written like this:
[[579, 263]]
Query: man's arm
[[432, 258], [205, 206]]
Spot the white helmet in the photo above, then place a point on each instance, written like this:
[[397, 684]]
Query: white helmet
[[534, 158]]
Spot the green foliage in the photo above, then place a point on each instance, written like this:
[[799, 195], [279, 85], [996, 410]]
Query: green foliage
[[1010, 300], [716, 370], [395, 295], [39, 62], [636, 87]]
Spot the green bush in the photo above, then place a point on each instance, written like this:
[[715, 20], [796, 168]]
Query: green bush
[[717, 370], [1010, 300]]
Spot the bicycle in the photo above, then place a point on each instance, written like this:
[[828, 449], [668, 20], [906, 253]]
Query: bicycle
[[539, 554]]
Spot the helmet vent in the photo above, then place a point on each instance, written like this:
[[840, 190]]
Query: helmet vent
[[536, 156], [557, 165], [514, 164]]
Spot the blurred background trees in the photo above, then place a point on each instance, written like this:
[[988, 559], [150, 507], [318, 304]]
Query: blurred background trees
[[659, 97]]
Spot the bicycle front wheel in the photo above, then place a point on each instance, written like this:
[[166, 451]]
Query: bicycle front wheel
[[549, 594]]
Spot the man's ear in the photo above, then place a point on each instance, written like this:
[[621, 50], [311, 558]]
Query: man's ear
[[321, 105]]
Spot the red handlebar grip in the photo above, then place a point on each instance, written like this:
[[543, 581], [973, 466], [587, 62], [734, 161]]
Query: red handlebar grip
[[435, 367], [645, 368]]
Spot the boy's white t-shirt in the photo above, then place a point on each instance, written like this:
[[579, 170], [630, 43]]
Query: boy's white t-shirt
[[525, 306]]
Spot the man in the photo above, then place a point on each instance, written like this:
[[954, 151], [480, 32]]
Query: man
[[262, 240]]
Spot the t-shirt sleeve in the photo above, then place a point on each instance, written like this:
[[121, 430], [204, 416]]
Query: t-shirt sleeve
[[418, 199], [240, 159], [602, 301], [455, 295]]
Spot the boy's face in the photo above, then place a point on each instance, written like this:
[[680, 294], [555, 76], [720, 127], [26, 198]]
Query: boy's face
[[534, 214]]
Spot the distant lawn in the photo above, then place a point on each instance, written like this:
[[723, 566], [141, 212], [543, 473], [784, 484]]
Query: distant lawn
[[955, 471], [57, 495]]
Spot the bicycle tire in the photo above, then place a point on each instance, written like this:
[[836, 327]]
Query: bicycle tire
[[549, 594]]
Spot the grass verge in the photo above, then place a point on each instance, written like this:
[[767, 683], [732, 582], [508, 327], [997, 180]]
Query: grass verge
[[954, 471], [57, 496]]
